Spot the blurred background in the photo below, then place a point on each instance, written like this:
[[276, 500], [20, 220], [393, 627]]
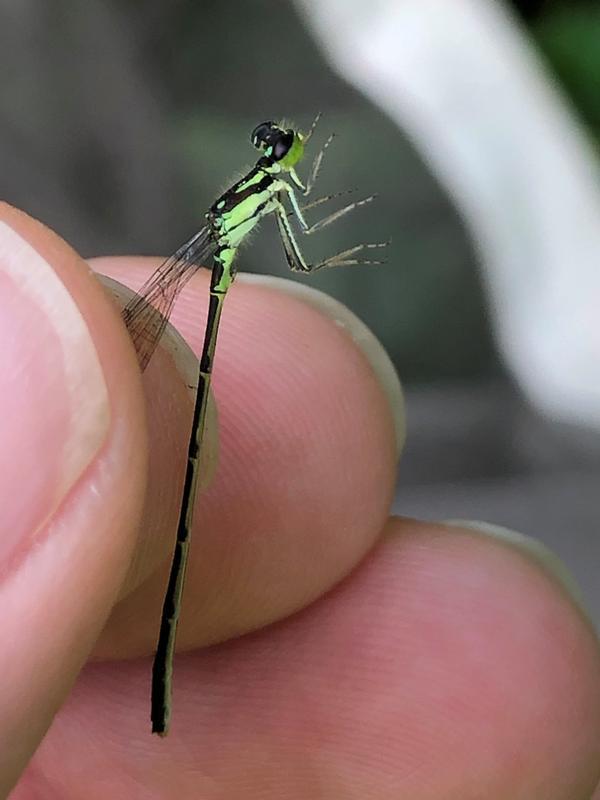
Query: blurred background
[[122, 121]]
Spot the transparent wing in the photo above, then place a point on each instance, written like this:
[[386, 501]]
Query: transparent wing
[[146, 315]]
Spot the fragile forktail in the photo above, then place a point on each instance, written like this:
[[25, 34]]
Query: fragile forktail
[[266, 189]]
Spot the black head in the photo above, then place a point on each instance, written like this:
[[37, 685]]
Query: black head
[[273, 140]]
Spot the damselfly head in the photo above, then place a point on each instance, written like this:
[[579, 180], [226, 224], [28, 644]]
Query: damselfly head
[[278, 144]]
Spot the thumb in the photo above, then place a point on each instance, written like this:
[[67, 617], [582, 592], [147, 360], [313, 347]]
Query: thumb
[[72, 474]]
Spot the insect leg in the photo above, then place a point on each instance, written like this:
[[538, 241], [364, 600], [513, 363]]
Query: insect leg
[[316, 166], [298, 263], [293, 254], [341, 212]]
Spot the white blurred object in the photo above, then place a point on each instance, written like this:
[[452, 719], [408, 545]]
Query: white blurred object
[[462, 79]]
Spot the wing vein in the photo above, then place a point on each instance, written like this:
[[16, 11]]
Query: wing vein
[[146, 315]]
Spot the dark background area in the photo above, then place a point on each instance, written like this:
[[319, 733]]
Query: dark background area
[[121, 121]]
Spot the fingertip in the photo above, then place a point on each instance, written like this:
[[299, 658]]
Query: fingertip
[[72, 468], [445, 665], [534, 549], [361, 335], [517, 662], [308, 453]]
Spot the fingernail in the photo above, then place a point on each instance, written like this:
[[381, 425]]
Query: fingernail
[[54, 406], [361, 335], [532, 548]]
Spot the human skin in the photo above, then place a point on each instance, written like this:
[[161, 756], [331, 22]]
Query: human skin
[[352, 655]]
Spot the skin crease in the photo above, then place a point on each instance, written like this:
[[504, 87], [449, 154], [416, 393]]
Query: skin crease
[[383, 658]]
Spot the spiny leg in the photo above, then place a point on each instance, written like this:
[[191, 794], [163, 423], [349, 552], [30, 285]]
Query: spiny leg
[[320, 200], [344, 258], [316, 166], [320, 224], [298, 263], [341, 212], [311, 130], [293, 254]]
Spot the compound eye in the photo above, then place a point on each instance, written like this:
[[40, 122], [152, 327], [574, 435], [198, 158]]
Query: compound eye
[[282, 144], [261, 134]]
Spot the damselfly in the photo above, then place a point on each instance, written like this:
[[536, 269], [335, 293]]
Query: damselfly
[[269, 188]]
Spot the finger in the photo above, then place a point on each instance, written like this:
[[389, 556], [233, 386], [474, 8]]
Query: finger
[[307, 461], [448, 665], [72, 466]]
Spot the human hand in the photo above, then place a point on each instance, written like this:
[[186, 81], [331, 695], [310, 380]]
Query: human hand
[[384, 658]]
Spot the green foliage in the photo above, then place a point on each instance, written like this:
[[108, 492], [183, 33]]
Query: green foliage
[[569, 36]]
